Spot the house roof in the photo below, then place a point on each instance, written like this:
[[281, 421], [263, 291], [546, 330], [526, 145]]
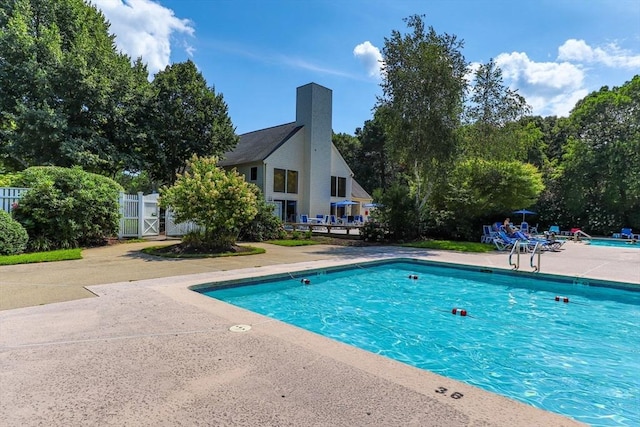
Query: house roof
[[258, 145], [357, 192]]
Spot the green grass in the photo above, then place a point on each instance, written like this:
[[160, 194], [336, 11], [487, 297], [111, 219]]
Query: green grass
[[162, 251], [452, 246], [293, 242], [50, 256]]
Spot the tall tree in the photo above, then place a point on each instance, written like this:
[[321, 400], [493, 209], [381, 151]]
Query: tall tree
[[375, 168], [493, 130], [423, 88], [189, 119], [601, 167], [66, 93]]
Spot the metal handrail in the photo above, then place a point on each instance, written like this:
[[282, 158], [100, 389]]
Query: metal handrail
[[536, 249], [579, 232], [516, 246]]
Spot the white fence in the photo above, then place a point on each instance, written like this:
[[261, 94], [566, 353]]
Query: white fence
[[139, 214], [9, 196]]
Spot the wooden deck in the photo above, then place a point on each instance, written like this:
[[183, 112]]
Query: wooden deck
[[321, 227]]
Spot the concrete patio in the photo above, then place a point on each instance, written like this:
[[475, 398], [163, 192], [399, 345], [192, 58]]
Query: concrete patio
[[149, 351]]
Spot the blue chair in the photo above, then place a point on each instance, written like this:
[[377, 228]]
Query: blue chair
[[487, 234], [524, 227], [626, 233], [555, 229]]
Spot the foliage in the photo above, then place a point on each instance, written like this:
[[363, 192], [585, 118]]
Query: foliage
[[265, 225], [67, 208], [36, 257], [600, 171], [493, 111], [188, 119], [67, 96], [374, 169], [8, 180], [218, 201], [480, 189], [135, 182], [396, 219], [423, 88], [13, 236], [452, 246]]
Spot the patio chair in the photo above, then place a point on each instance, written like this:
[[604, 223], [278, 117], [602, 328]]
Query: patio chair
[[524, 227], [304, 219], [487, 234], [554, 229], [626, 233]]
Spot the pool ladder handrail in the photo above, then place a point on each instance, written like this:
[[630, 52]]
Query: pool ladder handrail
[[516, 246], [536, 250], [579, 233]]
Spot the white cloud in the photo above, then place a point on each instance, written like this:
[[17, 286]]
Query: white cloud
[[518, 67], [370, 57], [611, 55], [144, 28], [550, 88]]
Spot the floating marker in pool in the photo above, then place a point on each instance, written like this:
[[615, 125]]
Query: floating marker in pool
[[563, 299], [305, 281], [460, 311], [413, 276]]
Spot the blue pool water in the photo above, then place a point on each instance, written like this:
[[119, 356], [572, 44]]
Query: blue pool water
[[615, 243], [580, 359]]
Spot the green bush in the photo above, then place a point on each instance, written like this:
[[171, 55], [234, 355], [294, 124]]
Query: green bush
[[13, 236], [395, 219], [220, 202], [265, 225], [67, 208]]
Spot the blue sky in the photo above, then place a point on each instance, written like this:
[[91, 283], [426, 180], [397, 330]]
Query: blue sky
[[256, 52]]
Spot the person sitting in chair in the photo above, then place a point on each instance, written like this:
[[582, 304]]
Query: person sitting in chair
[[508, 228]]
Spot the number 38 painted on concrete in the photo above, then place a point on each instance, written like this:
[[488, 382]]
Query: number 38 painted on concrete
[[454, 395]]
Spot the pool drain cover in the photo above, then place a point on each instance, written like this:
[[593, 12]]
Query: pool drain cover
[[240, 328]]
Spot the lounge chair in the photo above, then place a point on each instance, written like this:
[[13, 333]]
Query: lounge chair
[[626, 233], [524, 227], [487, 234]]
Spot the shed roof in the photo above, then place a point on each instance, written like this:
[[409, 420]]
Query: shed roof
[[258, 145]]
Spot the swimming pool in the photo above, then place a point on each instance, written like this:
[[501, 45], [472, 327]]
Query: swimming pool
[[577, 358], [615, 243]]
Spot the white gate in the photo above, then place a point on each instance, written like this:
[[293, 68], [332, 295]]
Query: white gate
[[139, 215], [9, 196]]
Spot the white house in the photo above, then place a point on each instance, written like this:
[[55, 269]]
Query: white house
[[296, 165]]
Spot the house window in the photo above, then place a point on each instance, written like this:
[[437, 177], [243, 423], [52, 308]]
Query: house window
[[254, 173], [338, 186], [285, 181], [279, 177], [292, 182], [342, 187]]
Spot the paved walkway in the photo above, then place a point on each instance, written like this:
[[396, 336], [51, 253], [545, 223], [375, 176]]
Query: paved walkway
[[148, 351]]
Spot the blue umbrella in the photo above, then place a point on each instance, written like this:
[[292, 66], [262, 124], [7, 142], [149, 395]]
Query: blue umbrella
[[524, 212]]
